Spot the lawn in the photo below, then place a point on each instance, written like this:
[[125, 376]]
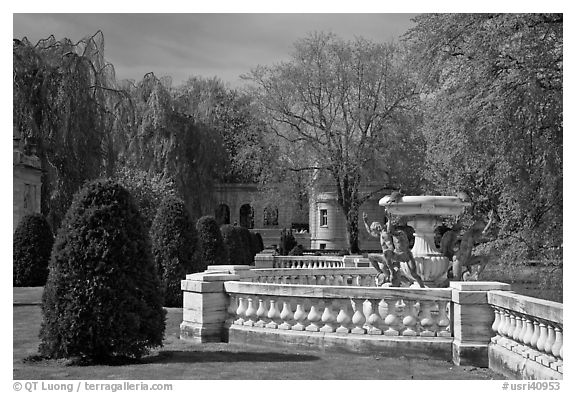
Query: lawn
[[178, 359]]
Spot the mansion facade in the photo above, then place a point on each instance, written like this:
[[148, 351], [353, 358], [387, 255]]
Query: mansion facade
[[321, 227]]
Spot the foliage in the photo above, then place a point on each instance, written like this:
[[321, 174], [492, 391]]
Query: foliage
[[237, 243], [334, 110], [247, 247], [102, 297], [256, 244], [297, 250], [494, 118], [148, 191], [232, 115], [170, 143], [287, 241], [211, 248], [33, 241], [174, 240], [67, 104]]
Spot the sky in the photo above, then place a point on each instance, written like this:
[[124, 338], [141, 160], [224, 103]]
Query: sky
[[222, 45]]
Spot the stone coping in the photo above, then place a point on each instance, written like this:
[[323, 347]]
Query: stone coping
[[539, 308]]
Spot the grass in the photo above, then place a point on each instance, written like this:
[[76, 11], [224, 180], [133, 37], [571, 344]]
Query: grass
[[178, 359]]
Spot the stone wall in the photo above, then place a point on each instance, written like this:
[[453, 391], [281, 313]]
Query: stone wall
[[26, 185]]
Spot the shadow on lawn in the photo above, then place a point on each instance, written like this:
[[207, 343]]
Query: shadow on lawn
[[225, 357]]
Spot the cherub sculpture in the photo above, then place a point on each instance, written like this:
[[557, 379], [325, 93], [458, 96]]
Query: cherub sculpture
[[395, 249], [459, 250]]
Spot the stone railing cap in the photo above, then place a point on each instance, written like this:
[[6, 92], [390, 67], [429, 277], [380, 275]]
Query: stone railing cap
[[212, 276], [480, 286]]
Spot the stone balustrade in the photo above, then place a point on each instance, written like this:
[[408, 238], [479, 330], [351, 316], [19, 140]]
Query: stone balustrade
[[403, 312], [265, 260], [528, 335], [472, 323], [360, 277]]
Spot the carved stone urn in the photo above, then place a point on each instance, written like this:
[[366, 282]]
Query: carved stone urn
[[425, 212]]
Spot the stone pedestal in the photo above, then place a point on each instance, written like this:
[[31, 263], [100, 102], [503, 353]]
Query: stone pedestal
[[205, 307], [472, 318]]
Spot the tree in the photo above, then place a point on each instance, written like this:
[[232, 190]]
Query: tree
[[334, 107], [67, 105], [493, 117], [102, 298], [169, 143], [148, 191], [173, 246], [33, 241]]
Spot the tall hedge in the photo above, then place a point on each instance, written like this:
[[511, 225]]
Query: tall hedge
[[211, 249], [103, 296], [173, 245], [256, 244], [235, 242], [32, 245], [287, 241]]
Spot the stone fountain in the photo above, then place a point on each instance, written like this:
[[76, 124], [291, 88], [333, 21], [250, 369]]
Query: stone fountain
[[425, 214]]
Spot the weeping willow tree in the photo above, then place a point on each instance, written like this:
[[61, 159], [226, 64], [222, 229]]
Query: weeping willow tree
[[66, 103], [171, 142]]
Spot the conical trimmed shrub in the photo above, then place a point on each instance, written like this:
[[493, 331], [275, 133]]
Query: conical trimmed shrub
[[33, 241], [173, 244], [103, 297], [211, 249]]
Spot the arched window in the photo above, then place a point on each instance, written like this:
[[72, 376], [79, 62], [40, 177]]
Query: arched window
[[246, 216], [222, 214], [270, 216]]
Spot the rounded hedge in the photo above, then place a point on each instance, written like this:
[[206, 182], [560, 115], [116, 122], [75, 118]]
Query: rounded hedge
[[103, 297], [174, 239], [32, 245], [210, 247]]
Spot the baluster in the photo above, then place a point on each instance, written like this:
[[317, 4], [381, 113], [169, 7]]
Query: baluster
[[503, 322], [536, 335], [557, 347], [328, 318], [528, 332], [507, 323], [232, 307], [496, 322], [273, 315], [250, 313], [374, 319], [524, 324], [511, 326], [261, 313], [300, 316], [443, 320], [343, 317], [240, 311], [409, 321], [426, 321], [518, 328], [391, 320], [550, 341], [314, 317], [358, 318], [339, 280], [543, 337], [287, 316]]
